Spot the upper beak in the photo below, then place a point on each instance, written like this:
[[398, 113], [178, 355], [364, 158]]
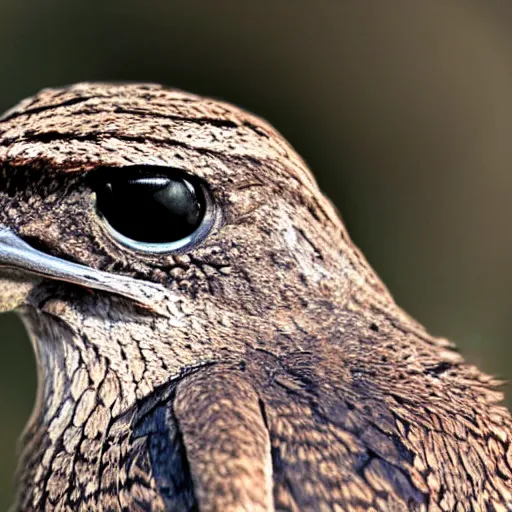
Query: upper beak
[[17, 254]]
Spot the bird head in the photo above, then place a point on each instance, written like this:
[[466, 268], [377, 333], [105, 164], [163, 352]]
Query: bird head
[[165, 231]]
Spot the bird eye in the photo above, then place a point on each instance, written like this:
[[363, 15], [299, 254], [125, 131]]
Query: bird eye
[[152, 210]]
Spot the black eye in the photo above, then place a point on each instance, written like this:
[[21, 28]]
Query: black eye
[[152, 211]]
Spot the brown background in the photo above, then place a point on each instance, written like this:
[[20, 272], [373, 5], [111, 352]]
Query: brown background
[[402, 109]]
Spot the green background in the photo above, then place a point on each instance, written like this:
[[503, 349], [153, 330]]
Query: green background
[[402, 109]]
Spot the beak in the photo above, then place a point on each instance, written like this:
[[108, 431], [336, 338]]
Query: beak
[[18, 255]]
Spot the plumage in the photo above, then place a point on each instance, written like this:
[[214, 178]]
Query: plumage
[[265, 367]]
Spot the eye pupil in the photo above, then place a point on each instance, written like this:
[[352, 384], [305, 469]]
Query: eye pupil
[[151, 209]]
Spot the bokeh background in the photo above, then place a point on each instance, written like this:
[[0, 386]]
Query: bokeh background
[[402, 109]]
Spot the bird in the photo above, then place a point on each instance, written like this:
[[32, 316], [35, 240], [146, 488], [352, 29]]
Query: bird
[[207, 335]]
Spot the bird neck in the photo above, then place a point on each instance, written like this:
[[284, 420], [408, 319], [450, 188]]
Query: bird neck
[[74, 389]]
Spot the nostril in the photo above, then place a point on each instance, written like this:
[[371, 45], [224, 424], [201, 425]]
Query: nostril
[[36, 243], [47, 248]]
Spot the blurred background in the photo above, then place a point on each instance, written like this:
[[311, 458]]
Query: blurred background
[[402, 109]]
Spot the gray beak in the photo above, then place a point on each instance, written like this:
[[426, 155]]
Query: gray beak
[[17, 254]]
